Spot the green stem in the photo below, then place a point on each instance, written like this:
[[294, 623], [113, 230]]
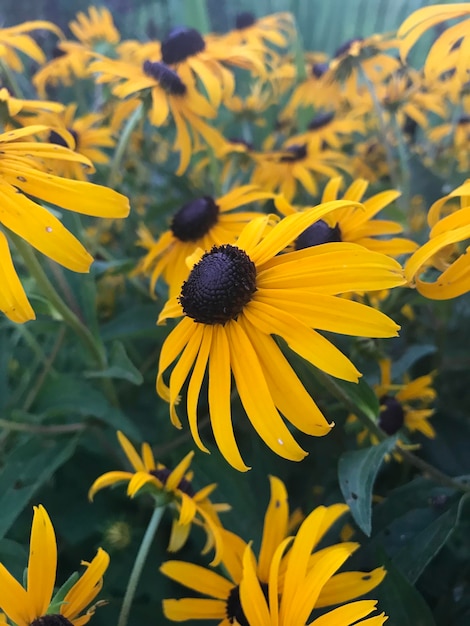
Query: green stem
[[139, 564], [48, 289], [122, 144], [11, 81], [429, 470]]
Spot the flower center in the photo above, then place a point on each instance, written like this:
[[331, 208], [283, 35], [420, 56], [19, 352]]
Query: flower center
[[323, 119], [51, 620], [346, 47], [60, 141], [296, 152], [58, 52], [195, 219], [392, 415], [233, 607], [318, 69], [180, 44], [317, 234], [184, 485], [219, 286], [167, 78], [244, 20]]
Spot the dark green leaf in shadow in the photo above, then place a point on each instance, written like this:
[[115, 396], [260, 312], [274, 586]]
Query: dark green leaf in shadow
[[120, 366], [356, 474]]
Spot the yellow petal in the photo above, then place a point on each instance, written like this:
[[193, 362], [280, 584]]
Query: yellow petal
[[13, 300], [198, 578], [87, 587], [106, 480], [14, 599], [42, 564], [274, 527]]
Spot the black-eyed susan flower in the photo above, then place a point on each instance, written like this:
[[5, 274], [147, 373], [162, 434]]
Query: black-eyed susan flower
[[15, 39], [450, 51], [277, 29], [35, 602], [355, 223], [222, 601], [94, 28], [170, 95], [87, 135], [169, 486], [27, 108], [405, 407], [441, 254], [233, 302], [201, 223], [23, 178], [331, 129], [297, 166]]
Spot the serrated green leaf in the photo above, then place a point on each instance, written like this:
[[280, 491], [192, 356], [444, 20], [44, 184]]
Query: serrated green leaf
[[120, 366], [400, 600], [412, 559], [26, 469], [356, 474]]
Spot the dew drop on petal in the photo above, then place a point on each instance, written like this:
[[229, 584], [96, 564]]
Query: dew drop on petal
[[48, 229]]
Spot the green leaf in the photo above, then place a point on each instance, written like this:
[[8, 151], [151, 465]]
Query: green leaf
[[69, 395], [409, 358], [363, 396], [400, 600], [413, 557], [356, 474], [26, 469], [133, 322], [120, 366]]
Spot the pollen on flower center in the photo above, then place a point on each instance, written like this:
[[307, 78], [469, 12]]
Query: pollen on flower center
[[167, 78], [195, 219], [233, 607], [180, 44], [244, 20], [392, 415], [51, 620], [184, 485], [317, 234], [219, 286], [60, 141], [296, 152]]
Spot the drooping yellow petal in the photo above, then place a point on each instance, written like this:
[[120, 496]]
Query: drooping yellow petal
[[346, 586], [193, 608], [130, 452], [13, 300], [42, 563], [251, 595], [350, 614], [178, 536], [198, 578], [106, 480], [274, 527], [195, 383], [87, 587], [139, 480]]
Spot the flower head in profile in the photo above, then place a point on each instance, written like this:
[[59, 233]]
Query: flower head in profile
[[24, 178], [355, 223], [440, 268], [94, 28], [405, 407], [168, 95], [34, 603], [169, 486], [233, 302], [201, 223], [277, 29], [225, 594], [15, 39]]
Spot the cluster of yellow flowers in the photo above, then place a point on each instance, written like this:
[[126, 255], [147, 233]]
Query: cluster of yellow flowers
[[257, 129]]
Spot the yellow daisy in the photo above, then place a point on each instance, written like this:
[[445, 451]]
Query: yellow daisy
[[277, 29], [223, 591], [297, 166], [15, 39], [355, 223], [237, 296], [86, 135], [441, 253], [98, 26], [451, 50], [404, 407], [35, 603], [27, 108], [24, 177], [169, 486], [201, 223], [170, 95], [69, 62]]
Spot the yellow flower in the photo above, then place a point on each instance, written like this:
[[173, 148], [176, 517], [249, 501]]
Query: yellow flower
[[355, 223], [97, 26], [450, 51], [440, 252], [277, 29], [297, 166], [169, 486], [224, 592], [85, 135], [35, 603], [237, 296], [14, 39], [23, 177], [170, 95], [201, 223], [27, 108]]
